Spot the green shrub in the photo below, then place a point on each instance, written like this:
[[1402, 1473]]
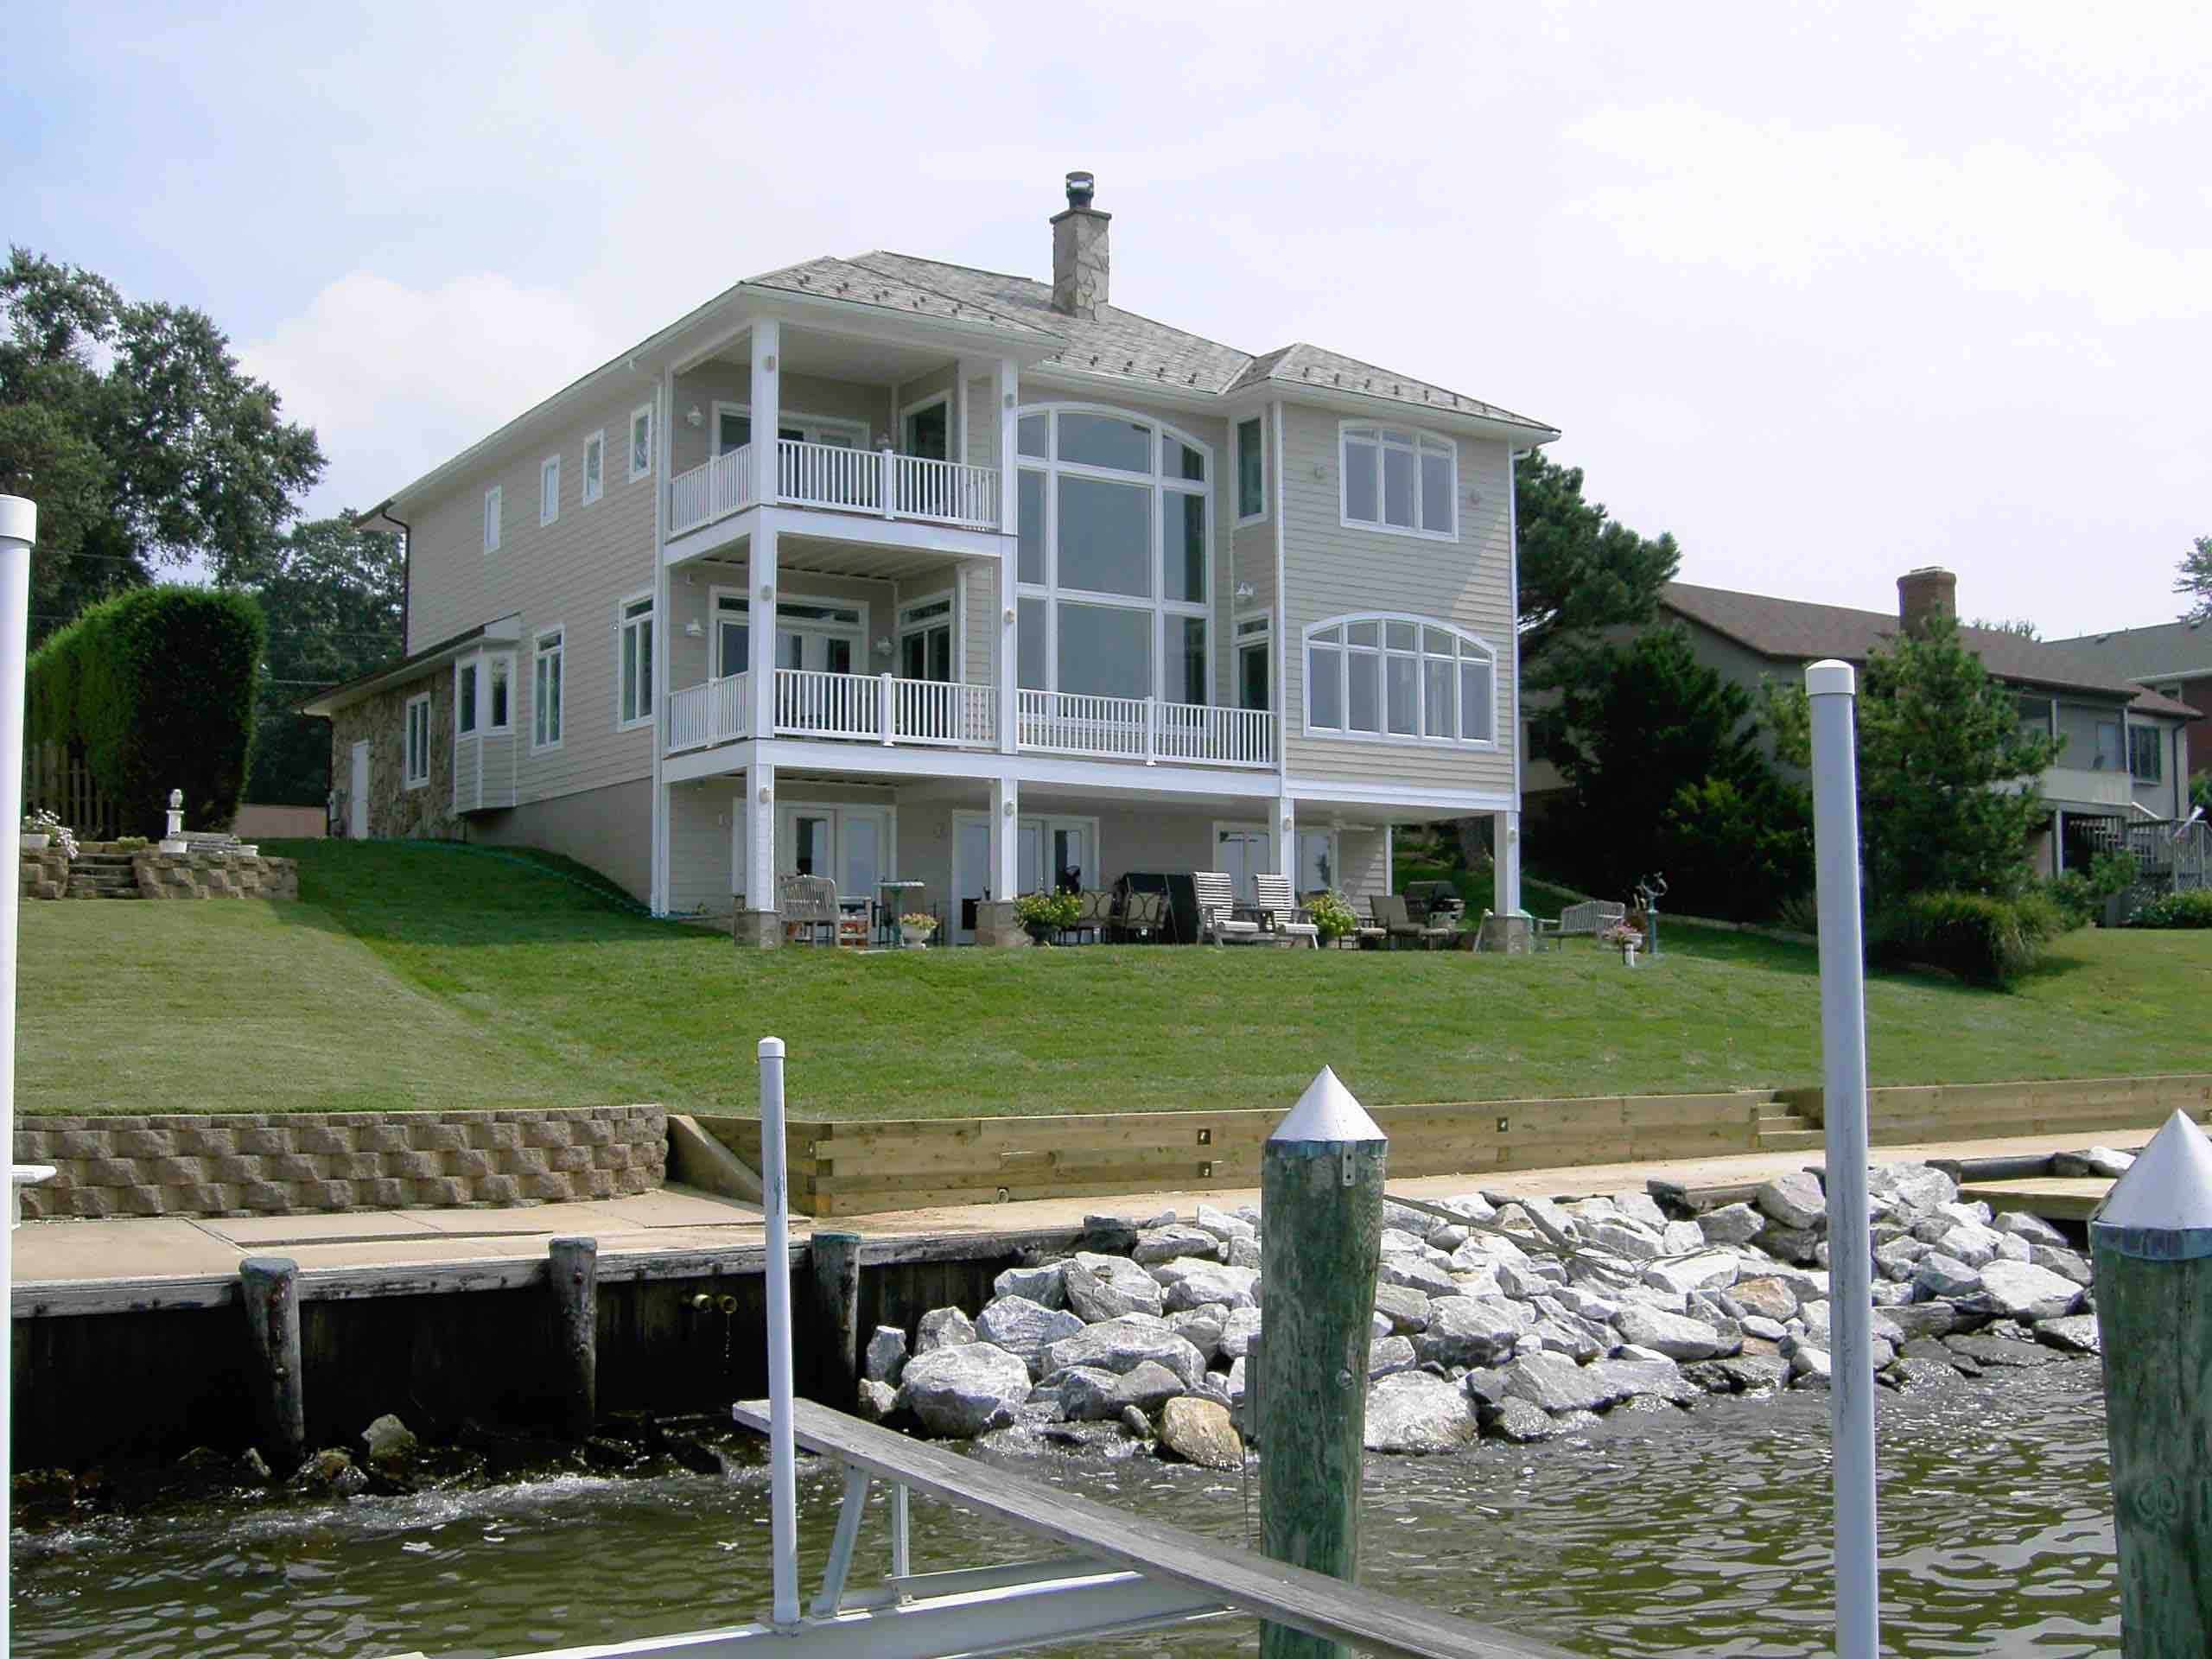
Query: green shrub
[[1984, 940], [1047, 909], [155, 688], [2075, 898], [1735, 852], [1332, 914], [2175, 910]]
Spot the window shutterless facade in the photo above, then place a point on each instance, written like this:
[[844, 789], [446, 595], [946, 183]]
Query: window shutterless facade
[[491, 519], [545, 691], [634, 652], [594, 481], [1115, 555], [641, 442], [2146, 752], [482, 695], [499, 694], [1403, 679], [467, 679], [1251, 471], [548, 489], [416, 770], [1397, 478]]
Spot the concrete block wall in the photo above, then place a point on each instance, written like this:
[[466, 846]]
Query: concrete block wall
[[309, 1163], [215, 875]]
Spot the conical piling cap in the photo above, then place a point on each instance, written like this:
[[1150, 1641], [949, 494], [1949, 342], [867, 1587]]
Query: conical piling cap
[[2162, 1208], [1327, 1113]]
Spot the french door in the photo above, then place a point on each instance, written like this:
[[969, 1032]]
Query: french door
[[1242, 852], [851, 845], [925, 638]]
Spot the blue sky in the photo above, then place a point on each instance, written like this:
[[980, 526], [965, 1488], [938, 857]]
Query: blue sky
[[1827, 291]]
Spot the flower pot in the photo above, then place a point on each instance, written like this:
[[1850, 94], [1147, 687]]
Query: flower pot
[[1628, 955], [35, 843], [914, 936]]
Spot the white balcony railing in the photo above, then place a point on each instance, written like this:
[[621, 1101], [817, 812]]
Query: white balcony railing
[[720, 711], [1211, 736], [937, 711], [871, 481], [1143, 728]]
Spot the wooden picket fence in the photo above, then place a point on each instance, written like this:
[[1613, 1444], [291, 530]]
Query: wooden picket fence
[[54, 777]]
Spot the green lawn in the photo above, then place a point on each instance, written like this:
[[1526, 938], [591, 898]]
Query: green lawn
[[418, 975]]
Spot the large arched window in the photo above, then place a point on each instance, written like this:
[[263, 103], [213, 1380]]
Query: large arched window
[[1115, 566], [1408, 679]]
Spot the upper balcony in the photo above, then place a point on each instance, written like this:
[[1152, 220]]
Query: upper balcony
[[880, 483]]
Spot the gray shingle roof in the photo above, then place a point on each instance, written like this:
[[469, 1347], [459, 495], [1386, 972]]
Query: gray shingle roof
[[843, 279], [1310, 365], [2177, 649], [1797, 631]]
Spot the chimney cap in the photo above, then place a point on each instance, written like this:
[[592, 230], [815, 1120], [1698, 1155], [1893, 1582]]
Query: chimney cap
[[1080, 188]]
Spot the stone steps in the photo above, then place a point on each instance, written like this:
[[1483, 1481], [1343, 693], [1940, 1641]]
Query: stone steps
[[103, 875]]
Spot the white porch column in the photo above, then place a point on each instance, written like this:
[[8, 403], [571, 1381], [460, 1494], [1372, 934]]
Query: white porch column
[[760, 838], [761, 650], [768, 407], [1286, 829], [1506, 828], [1007, 387], [1006, 840]]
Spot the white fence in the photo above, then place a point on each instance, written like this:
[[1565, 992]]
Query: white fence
[[720, 711], [851, 480], [1143, 728]]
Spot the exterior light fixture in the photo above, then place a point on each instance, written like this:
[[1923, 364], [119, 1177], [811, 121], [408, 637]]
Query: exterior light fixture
[[767, 590], [1244, 591], [692, 630], [1008, 809], [764, 794], [1008, 618], [882, 646], [693, 415]]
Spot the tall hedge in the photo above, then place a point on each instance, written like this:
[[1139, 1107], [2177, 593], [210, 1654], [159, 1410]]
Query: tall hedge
[[155, 688]]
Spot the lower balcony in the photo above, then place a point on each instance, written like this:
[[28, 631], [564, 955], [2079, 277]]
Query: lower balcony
[[842, 479], [883, 708]]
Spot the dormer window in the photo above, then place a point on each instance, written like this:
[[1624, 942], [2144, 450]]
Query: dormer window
[[1397, 478]]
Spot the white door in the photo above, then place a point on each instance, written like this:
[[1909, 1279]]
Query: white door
[[357, 796], [971, 871], [1243, 854]]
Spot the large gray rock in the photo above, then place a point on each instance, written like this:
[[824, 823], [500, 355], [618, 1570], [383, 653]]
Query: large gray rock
[[1640, 1206], [1407, 1310], [1244, 1252], [1924, 1319], [1659, 1378], [1557, 1383], [1550, 1221], [1484, 1250], [1468, 1331], [1027, 1328], [1237, 1334], [1120, 1346], [1911, 1187], [1040, 1285], [1222, 1225], [1578, 1338], [1416, 1412], [1775, 1299], [961, 1390], [1707, 1270], [1090, 1394], [1519, 1422], [2066, 1263], [1582, 1303], [1897, 1259], [1677, 1336], [1971, 1243], [1174, 1242], [1107, 1286], [1523, 1281], [1682, 1237], [1940, 1276], [1795, 1201], [1415, 1273], [2020, 1290], [1199, 1431], [1390, 1355], [886, 1355], [944, 1327], [1201, 1327], [1188, 1284], [1798, 1244], [1753, 1373], [877, 1399], [388, 1441], [1731, 1223], [1624, 1238], [2073, 1333]]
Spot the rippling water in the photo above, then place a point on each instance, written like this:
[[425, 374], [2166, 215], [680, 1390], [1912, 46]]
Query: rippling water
[[1705, 1532]]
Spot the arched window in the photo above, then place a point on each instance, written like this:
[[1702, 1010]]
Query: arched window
[[1397, 478], [1407, 679], [1114, 577]]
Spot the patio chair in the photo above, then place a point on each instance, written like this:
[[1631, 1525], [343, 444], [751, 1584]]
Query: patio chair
[[1391, 915], [1293, 924], [1142, 916], [1217, 921], [808, 905], [1093, 913], [1437, 903]]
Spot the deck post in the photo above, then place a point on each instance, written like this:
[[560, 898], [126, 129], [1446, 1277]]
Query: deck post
[[269, 1285], [1321, 1177], [2151, 1245], [783, 1457], [834, 1262], [18, 533], [573, 1273]]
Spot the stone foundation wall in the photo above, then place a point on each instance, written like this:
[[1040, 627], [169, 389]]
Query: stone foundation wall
[[395, 810], [215, 875], [307, 1163]]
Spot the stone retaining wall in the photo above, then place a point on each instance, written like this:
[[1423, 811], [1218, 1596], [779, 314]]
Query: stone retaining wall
[[305, 1163], [44, 875], [215, 875]]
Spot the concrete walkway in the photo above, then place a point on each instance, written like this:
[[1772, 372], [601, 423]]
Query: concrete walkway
[[678, 1219]]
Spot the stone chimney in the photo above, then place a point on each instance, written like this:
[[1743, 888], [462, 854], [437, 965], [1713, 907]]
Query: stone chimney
[[1924, 594], [1079, 257]]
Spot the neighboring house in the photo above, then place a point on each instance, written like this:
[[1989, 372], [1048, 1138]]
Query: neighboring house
[[2172, 658], [2125, 755], [880, 567]]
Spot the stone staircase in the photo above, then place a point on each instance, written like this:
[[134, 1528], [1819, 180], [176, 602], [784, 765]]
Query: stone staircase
[[103, 875]]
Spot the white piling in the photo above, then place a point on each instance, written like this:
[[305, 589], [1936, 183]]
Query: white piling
[[782, 1476], [18, 530], [1832, 688]]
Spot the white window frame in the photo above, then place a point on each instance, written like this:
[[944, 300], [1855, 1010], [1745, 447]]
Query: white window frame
[[495, 510], [493, 661], [1236, 457], [902, 628], [1335, 837], [468, 711], [1345, 650], [642, 412], [548, 488], [1421, 439], [716, 670], [810, 427], [952, 436], [1162, 609], [1242, 634], [415, 753], [539, 651], [624, 622], [590, 492]]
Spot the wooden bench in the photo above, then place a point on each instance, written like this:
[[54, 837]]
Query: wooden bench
[[1588, 919]]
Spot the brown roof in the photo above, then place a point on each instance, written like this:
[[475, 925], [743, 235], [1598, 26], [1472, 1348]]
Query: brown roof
[[1798, 631]]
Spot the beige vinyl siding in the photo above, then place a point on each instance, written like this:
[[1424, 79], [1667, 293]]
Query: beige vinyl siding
[[1331, 569], [980, 448], [724, 380], [1365, 854], [690, 598], [609, 828], [571, 572]]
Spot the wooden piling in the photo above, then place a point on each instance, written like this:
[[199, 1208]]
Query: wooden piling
[[2151, 1245], [270, 1290], [834, 1260], [573, 1276], [1321, 1175]]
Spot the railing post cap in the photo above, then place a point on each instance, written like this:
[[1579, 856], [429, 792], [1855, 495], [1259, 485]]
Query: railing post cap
[[1830, 678], [771, 1048], [1327, 1113]]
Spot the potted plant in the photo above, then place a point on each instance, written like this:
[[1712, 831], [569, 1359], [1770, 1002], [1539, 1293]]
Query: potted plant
[[915, 927], [1047, 913], [43, 828], [1332, 914], [1629, 939]]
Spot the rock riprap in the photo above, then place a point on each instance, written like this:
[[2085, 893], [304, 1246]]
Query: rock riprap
[[1512, 1318]]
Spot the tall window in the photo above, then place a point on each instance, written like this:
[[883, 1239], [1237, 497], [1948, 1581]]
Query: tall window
[[548, 489], [491, 519], [1398, 479], [2147, 751], [417, 768], [634, 653], [641, 441], [594, 467], [1115, 555], [1254, 673], [1251, 471], [545, 691], [499, 714], [1399, 678], [466, 679]]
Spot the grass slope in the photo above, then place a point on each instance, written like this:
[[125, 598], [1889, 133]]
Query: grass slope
[[422, 975]]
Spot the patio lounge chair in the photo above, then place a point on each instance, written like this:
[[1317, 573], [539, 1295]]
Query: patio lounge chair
[[1398, 926], [1291, 924], [1218, 922], [809, 909]]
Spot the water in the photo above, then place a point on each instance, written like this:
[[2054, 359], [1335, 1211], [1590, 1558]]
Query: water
[[1706, 1533]]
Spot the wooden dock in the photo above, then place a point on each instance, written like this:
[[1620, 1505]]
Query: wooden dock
[[2053, 1197]]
